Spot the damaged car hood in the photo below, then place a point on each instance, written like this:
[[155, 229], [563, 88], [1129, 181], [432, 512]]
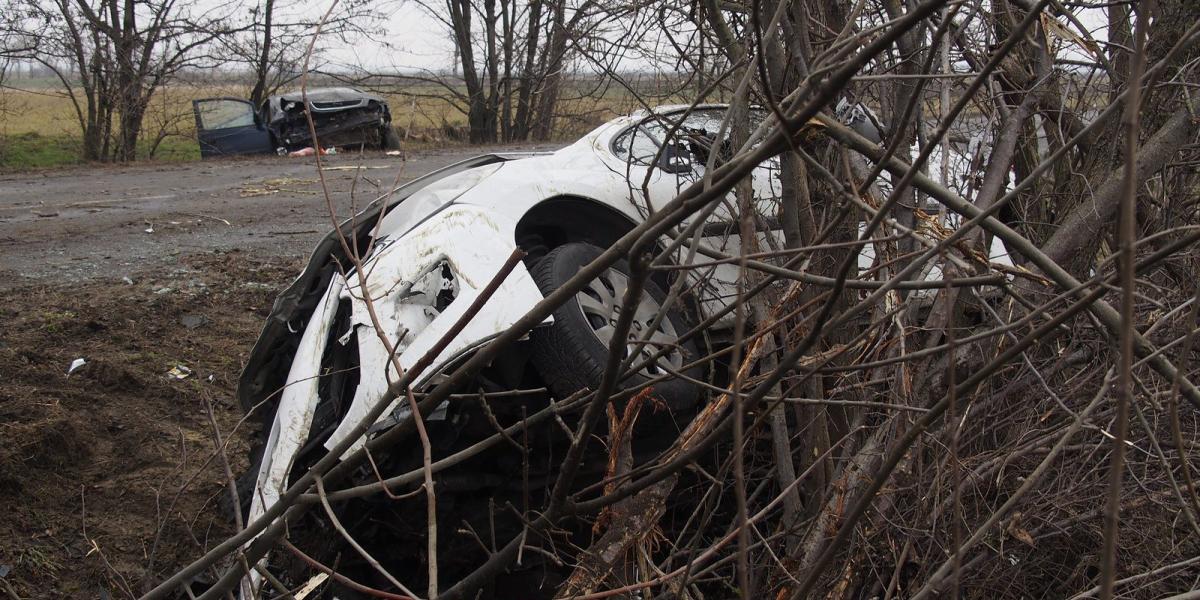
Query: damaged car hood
[[261, 378], [285, 107]]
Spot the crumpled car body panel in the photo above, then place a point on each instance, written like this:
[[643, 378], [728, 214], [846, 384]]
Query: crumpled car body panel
[[341, 116], [263, 377]]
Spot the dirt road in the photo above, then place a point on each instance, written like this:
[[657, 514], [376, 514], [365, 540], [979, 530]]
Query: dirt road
[[81, 224]]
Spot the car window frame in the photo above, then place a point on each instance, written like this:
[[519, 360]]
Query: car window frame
[[254, 116], [686, 112], [657, 116]]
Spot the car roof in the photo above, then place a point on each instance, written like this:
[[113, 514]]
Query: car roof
[[325, 94], [666, 109]]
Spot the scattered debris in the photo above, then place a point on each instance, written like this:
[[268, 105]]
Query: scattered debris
[[311, 585], [356, 167], [127, 280], [76, 365], [394, 153], [250, 192], [45, 214], [309, 151], [179, 372], [163, 290], [274, 186], [200, 216]]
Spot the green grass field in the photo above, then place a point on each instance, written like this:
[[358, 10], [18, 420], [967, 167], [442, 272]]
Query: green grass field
[[39, 128]]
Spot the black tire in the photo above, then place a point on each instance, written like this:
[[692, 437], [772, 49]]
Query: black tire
[[389, 139], [569, 355]]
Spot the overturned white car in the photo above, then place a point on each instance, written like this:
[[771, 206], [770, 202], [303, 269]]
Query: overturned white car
[[428, 250]]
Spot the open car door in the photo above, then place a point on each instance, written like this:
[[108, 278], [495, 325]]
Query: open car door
[[227, 126]]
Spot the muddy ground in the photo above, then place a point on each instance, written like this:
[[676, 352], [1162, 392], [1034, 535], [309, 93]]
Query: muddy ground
[[159, 278]]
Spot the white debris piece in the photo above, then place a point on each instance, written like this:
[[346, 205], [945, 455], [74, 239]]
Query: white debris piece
[[76, 365], [179, 372]]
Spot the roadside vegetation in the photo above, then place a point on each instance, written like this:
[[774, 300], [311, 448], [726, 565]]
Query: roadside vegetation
[[106, 81]]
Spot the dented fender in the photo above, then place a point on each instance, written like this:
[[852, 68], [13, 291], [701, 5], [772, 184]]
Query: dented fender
[[421, 284]]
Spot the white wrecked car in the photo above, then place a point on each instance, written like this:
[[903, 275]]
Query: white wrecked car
[[434, 244], [442, 237]]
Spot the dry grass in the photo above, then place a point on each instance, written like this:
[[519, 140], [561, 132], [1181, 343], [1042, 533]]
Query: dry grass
[[48, 111]]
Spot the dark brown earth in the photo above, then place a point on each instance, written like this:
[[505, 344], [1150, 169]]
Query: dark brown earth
[[110, 477]]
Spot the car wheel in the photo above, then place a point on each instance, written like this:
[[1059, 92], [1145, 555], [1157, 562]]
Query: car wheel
[[571, 354], [389, 139]]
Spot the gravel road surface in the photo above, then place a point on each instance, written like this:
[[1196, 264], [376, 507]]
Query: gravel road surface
[[109, 222]]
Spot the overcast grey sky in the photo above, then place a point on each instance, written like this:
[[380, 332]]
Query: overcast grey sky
[[416, 40]]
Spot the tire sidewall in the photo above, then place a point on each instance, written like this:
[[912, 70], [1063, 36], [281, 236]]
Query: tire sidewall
[[569, 348]]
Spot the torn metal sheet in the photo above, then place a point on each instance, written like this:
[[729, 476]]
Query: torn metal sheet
[[458, 251]]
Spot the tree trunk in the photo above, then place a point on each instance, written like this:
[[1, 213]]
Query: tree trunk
[[521, 127], [493, 72], [262, 69], [506, 102], [477, 112], [543, 121]]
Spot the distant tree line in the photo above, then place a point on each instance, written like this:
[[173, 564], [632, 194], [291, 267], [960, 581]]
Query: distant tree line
[[514, 62]]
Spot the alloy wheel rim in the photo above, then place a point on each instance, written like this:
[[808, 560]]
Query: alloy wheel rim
[[600, 304]]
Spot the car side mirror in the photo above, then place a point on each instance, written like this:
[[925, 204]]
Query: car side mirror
[[861, 119], [675, 158]]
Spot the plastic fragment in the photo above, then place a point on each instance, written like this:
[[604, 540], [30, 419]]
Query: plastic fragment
[[179, 372], [76, 365]]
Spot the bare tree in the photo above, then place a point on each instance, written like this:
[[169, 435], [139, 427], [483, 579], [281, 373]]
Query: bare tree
[[111, 56], [510, 62], [272, 42]]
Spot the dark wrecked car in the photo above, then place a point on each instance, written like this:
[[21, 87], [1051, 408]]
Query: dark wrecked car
[[341, 116]]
